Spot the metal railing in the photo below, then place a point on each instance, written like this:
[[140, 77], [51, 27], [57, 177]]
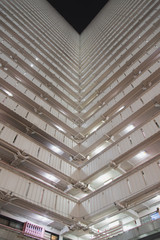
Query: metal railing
[[108, 233]]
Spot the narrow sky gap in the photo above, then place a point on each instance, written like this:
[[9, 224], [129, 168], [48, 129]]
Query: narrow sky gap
[[79, 13]]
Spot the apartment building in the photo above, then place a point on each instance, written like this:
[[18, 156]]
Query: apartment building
[[79, 122]]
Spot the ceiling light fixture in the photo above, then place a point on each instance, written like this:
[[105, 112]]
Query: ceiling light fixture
[[7, 92], [120, 109], [51, 177], [56, 149], [141, 155], [94, 129], [107, 182], [102, 179], [18, 79], [98, 150], [44, 219], [129, 128], [5, 68], [60, 129], [157, 198], [157, 104]]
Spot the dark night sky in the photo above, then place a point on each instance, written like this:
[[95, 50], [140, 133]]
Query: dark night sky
[[79, 13]]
